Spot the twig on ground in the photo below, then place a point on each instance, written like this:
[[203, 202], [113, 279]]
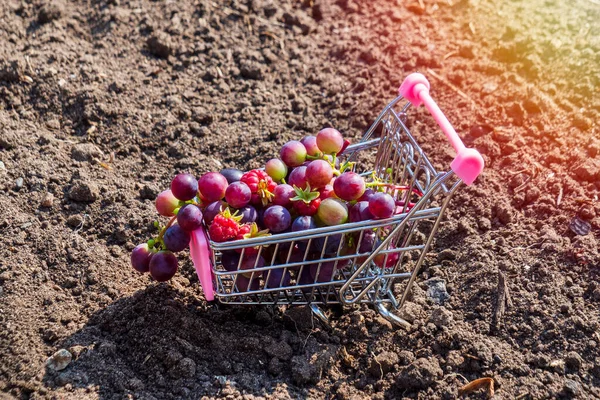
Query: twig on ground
[[503, 302], [478, 384], [451, 86]]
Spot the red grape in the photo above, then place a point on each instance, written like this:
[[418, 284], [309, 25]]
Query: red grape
[[310, 142], [175, 238], [382, 205], [283, 195], [212, 186], [319, 173], [276, 169], [298, 177], [327, 191], [166, 203], [238, 194], [140, 258], [277, 219], [184, 187], [333, 211], [330, 141], [243, 282], [392, 258], [251, 261], [189, 217], [163, 266], [349, 186], [293, 153]]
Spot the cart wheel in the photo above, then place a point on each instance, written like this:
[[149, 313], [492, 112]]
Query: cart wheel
[[316, 310], [393, 318]]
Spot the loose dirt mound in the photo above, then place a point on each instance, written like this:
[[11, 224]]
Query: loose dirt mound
[[103, 101]]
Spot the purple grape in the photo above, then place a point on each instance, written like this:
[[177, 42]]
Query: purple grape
[[189, 217], [163, 266], [238, 194], [232, 174], [382, 205], [184, 187], [298, 177], [303, 223], [367, 242], [260, 213], [283, 195], [230, 260], [331, 245], [275, 276], [249, 214], [325, 273], [319, 173], [349, 186], [366, 195], [212, 186], [140, 258], [293, 153], [176, 239], [277, 219], [305, 278], [360, 212], [310, 142], [211, 211]]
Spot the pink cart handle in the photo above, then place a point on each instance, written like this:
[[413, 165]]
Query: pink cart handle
[[200, 253], [468, 163]]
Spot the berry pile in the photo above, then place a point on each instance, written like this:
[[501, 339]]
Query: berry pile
[[305, 188]]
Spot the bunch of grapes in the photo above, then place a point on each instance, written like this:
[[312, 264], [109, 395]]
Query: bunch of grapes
[[304, 188]]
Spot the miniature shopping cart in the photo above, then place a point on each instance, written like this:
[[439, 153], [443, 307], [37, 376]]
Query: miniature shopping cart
[[326, 265]]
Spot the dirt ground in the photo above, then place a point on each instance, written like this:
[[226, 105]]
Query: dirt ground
[[103, 101]]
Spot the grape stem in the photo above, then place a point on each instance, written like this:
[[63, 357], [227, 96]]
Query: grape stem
[[163, 230], [395, 187]]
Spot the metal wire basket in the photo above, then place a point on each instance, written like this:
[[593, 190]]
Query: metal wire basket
[[328, 265]]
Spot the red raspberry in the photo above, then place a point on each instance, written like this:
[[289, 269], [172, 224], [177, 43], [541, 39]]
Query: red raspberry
[[304, 208], [306, 201], [249, 231], [224, 227], [244, 230], [261, 185]]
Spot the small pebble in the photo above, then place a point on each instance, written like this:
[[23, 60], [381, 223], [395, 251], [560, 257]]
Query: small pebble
[[2, 166], [59, 360], [47, 200], [19, 183], [571, 387]]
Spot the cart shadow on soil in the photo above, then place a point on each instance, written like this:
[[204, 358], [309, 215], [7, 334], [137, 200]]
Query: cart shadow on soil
[[162, 339]]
